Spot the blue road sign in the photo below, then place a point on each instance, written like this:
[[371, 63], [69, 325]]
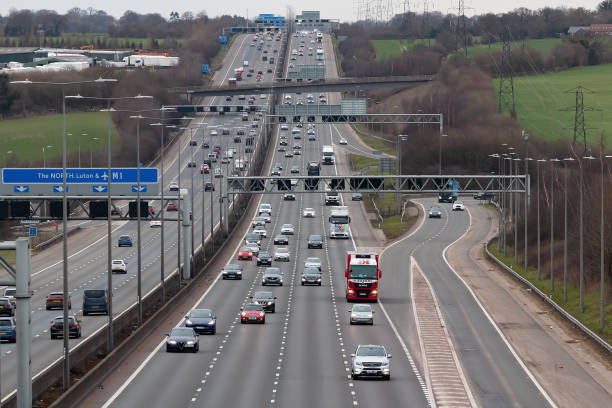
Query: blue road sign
[[99, 189], [60, 189], [205, 68], [143, 189], [21, 189], [78, 176], [33, 232]]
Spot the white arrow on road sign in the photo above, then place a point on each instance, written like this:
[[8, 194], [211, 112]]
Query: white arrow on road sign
[[22, 189], [59, 189], [143, 189], [100, 189]]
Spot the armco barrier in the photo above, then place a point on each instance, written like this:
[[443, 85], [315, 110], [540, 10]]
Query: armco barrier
[[548, 300]]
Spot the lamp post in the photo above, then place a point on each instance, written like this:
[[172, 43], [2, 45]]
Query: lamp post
[[581, 288], [109, 283], [602, 282], [516, 210], [44, 155], [526, 197], [91, 152], [538, 205], [66, 356], [552, 224], [400, 138], [82, 134], [498, 157], [439, 152], [568, 160]]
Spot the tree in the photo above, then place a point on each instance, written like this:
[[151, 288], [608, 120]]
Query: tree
[[174, 16], [7, 97], [605, 5]]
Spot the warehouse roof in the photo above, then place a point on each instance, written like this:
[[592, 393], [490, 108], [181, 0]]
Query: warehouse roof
[[17, 50]]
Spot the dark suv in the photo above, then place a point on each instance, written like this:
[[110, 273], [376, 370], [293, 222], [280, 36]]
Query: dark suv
[[265, 299], [6, 307], [95, 301]]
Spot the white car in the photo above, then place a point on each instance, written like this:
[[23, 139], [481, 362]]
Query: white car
[[254, 248], [282, 254], [262, 96], [260, 231], [362, 314], [265, 208], [284, 127], [174, 187], [287, 229], [370, 360], [214, 133], [218, 173], [266, 217], [119, 266], [313, 262], [343, 141], [155, 224], [458, 206], [309, 212]]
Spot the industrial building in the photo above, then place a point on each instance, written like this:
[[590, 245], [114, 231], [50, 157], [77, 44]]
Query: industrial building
[[310, 20]]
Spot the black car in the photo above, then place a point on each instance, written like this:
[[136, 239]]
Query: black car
[[57, 327], [193, 143], [208, 186], [483, 195], [264, 258], [357, 197], [182, 339], [232, 271], [311, 276], [315, 241], [281, 240], [191, 164], [6, 307], [272, 276], [265, 299], [289, 197], [205, 145], [434, 212], [295, 170], [202, 321]]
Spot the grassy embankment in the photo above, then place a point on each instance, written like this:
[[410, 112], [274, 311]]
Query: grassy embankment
[[541, 99], [116, 42], [589, 318], [26, 137]]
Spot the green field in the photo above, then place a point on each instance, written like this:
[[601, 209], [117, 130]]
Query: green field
[[543, 46], [394, 48], [541, 98], [26, 137], [589, 318], [91, 38]]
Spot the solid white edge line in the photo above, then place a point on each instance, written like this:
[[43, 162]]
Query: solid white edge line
[[497, 329]]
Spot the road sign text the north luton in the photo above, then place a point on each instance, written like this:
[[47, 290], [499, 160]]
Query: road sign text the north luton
[[78, 176]]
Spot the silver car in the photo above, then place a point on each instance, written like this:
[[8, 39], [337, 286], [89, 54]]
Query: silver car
[[370, 360], [309, 212], [287, 229], [313, 262], [282, 254], [260, 231], [272, 276], [254, 248], [362, 314]]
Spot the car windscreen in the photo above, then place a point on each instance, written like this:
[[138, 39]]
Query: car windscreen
[[371, 351], [10, 292], [275, 271], [6, 323], [315, 238], [263, 295], [363, 271], [313, 260], [179, 331], [94, 293], [253, 307], [362, 308], [200, 313], [311, 271]]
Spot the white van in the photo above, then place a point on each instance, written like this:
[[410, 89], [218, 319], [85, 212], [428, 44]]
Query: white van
[[246, 63]]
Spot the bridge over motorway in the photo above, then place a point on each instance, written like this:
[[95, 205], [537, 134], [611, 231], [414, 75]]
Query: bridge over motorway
[[328, 85]]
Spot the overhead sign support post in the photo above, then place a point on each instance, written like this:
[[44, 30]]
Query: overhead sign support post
[[20, 278]]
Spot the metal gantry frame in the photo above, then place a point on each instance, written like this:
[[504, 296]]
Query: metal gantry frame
[[367, 118]]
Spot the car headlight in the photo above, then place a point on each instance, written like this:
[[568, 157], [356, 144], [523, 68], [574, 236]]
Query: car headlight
[[358, 364], [269, 303], [370, 316], [190, 342], [172, 341], [318, 279], [212, 322], [238, 272], [303, 278], [188, 321], [353, 315]]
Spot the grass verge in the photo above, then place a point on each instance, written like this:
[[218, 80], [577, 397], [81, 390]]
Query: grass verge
[[338, 55], [543, 46], [374, 142], [25, 138], [386, 49], [541, 99], [589, 318]]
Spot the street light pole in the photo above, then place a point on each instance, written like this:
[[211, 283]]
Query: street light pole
[[565, 171], [91, 153], [138, 216], [552, 224], [516, 211], [538, 205], [526, 197], [82, 134]]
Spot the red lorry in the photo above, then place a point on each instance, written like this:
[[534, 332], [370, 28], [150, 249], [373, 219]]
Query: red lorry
[[362, 276]]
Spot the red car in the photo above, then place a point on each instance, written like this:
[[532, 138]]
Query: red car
[[171, 206], [253, 313], [151, 211], [245, 253], [56, 300], [204, 169]]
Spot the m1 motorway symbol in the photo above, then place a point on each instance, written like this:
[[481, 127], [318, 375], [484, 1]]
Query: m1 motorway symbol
[[99, 189], [33, 232], [21, 189]]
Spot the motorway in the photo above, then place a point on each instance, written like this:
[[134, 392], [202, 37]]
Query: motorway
[[87, 264], [301, 356]]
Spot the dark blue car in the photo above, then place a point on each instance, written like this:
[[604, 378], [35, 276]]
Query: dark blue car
[[202, 321], [95, 301], [8, 329], [182, 339], [125, 240]]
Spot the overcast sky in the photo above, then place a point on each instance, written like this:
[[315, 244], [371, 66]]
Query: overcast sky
[[344, 10]]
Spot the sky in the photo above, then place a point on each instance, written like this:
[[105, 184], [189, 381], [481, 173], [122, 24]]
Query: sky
[[343, 10]]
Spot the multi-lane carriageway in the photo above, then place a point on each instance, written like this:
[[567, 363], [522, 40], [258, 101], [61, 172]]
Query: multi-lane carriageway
[[301, 356], [87, 249]]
